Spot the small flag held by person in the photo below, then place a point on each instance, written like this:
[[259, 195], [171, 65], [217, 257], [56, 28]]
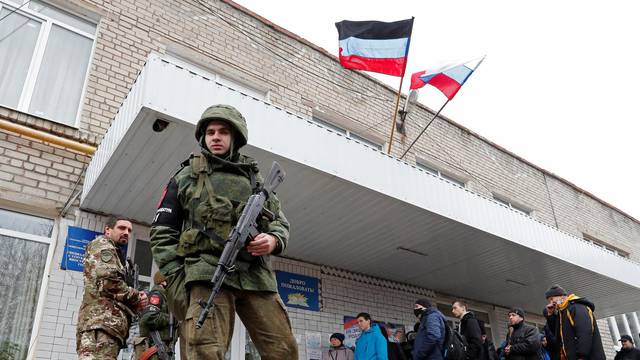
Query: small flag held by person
[[376, 46], [448, 78]]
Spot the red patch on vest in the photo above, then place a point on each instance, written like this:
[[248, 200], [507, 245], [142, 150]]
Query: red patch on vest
[[164, 193], [154, 299]]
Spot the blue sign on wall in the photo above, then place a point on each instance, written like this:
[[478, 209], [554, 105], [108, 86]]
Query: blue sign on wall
[[74, 248], [298, 291]]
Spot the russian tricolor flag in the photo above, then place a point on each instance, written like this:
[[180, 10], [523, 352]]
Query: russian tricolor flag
[[448, 78], [375, 46]]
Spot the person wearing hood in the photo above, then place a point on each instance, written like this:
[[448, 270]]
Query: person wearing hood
[[523, 340], [429, 342], [337, 351], [628, 351], [371, 345], [469, 328], [572, 324], [196, 212], [543, 353]]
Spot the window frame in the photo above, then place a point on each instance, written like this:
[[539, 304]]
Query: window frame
[[440, 174], [215, 76], [42, 292], [35, 64], [605, 246], [347, 133], [141, 233], [509, 204]]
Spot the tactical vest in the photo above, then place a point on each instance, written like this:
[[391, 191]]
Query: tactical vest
[[212, 214]]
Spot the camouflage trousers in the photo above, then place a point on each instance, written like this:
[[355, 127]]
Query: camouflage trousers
[[96, 345], [262, 312]]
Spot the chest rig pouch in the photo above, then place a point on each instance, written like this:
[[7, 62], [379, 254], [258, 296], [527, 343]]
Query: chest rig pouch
[[211, 216]]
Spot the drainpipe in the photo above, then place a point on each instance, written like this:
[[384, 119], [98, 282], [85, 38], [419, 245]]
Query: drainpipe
[[625, 324], [47, 137], [636, 324], [615, 332]]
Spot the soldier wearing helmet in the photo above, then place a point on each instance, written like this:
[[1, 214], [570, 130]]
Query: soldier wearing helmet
[[198, 208]]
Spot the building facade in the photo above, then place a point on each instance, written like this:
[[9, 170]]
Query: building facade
[[83, 82]]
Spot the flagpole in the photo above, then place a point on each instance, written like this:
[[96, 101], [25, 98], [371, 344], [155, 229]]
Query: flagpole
[[438, 113], [423, 130], [395, 115]]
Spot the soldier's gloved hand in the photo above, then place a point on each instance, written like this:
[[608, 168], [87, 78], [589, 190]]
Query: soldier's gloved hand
[[263, 244], [143, 301]]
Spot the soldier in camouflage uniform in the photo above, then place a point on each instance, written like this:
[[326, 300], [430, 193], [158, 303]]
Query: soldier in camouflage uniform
[[155, 317], [108, 302], [198, 208]]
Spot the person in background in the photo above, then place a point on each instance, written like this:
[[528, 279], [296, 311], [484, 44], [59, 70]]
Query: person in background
[[337, 351], [371, 345], [628, 351], [523, 341], [543, 354], [573, 325], [469, 328], [488, 349], [429, 342]]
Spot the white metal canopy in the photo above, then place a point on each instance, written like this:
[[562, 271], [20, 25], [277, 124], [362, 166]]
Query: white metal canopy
[[352, 206]]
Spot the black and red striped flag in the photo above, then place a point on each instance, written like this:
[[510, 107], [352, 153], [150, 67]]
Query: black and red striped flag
[[376, 46]]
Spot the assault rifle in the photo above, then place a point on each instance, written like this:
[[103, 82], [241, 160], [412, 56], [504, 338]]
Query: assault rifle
[[244, 231], [159, 348]]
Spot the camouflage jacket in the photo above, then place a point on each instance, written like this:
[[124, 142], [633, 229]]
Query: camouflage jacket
[[107, 302], [199, 207], [156, 314]]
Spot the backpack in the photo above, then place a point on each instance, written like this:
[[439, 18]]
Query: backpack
[[455, 346]]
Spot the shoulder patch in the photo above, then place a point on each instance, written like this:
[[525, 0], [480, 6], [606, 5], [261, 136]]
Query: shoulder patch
[[154, 299], [106, 255]]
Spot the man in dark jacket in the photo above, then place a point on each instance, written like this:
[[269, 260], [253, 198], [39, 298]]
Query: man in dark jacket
[[431, 332], [469, 328], [573, 326], [552, 344], [523, 340], [628, 351]]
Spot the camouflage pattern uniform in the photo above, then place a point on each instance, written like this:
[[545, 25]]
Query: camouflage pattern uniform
[[155, 316], [199, 207], [107, 303]]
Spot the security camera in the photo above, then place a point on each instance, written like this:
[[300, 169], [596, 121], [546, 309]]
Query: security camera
[[159, 125]]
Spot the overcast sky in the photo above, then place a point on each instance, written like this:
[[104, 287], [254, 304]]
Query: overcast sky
[[559, 86]]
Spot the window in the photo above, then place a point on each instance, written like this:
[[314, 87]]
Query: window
[[605, 246], [211, 75], [143, 258], [44, 57], [140, 253], [441, 175], [510, 205], [24, 252], [348, 133]]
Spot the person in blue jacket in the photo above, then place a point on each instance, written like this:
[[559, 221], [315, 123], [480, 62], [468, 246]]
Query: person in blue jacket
[[431, 332], [371, 345]]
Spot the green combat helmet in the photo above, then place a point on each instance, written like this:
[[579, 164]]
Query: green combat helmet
[[227, 113]]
